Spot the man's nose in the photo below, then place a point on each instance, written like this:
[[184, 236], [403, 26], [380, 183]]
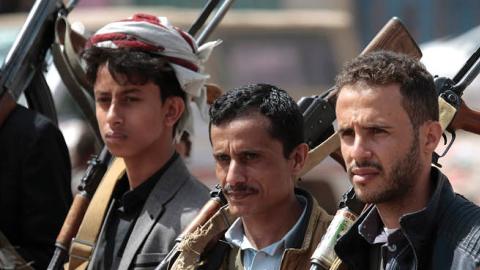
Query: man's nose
[[114, 115], [235, 174], [361, 149]]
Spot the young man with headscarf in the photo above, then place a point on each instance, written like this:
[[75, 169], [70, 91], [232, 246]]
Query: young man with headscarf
[[145, 72]]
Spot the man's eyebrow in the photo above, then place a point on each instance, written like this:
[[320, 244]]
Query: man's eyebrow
[[219, 152], [126, 91], [381, 126], [100, 91], [343, 129], [130, 91]]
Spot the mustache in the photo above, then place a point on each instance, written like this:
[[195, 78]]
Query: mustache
[[240, 188], [364, 164]]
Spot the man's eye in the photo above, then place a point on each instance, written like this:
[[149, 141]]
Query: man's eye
[[131, 99], [250, 156], [347, 133], [102, 100], [222, 158], [377, 131]]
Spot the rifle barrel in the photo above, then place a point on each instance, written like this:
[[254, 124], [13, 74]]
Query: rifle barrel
[[200, 21], [71, 4], [467, 73]]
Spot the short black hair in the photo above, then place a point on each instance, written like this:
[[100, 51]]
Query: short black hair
[[138, 67], [286, 121], [383, 68]]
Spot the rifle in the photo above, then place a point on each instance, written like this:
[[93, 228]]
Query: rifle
[[454, 112], [25, 60], [98, 164]]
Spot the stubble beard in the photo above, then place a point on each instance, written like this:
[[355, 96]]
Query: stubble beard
[[399, 181]]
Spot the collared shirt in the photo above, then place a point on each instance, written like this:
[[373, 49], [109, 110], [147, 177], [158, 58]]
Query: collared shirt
[[269, 257], [390, 248], [126, 207]]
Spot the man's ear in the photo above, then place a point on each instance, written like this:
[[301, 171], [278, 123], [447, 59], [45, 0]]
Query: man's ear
[[298, 156], [175, 106], [432, 134]]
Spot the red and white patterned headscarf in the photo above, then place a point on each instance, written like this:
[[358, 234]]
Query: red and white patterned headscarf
[[157, 35]]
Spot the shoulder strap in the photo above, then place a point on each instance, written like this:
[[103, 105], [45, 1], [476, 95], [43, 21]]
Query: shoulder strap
[[82, 245]]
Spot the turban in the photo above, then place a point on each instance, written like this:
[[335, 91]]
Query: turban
[[158, 36]]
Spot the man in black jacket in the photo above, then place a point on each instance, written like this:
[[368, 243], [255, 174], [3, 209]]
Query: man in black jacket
[[34, 184], [387, 113]]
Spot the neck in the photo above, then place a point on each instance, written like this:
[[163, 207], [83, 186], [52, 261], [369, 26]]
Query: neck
[[265, 229], [416, 199], [140, 167]]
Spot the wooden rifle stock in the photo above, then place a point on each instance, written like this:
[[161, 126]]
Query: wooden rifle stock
[[207, 211], [392, 37], [72, 223], [466, 119]]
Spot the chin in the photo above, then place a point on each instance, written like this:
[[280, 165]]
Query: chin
[[239, 210], [362, 195], [118, 152]]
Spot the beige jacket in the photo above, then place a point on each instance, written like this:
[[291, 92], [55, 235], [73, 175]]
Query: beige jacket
[[193, 247]]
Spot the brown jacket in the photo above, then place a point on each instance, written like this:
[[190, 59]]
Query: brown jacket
[[194, 251]]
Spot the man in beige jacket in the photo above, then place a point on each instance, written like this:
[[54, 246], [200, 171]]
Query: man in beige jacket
[[256, 133]]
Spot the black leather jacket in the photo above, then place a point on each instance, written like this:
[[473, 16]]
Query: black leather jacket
[[444, 235]]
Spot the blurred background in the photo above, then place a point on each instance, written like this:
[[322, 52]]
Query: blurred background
[[298, 45]]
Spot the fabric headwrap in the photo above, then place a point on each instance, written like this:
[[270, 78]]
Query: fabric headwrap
[[157, 35]]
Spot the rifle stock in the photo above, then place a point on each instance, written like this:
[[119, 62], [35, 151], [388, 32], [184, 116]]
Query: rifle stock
[[208, 210], [466, 119], [394, 36]]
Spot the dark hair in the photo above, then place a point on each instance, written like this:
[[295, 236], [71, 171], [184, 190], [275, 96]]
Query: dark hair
[[383, 68], [138, 67], [286, 121]]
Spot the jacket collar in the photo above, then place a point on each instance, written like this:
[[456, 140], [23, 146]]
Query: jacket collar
[[299, 240], [166, 187], [418, 226]]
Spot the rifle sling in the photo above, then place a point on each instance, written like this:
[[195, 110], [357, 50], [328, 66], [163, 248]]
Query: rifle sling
[[7, 104], [83, 244]]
